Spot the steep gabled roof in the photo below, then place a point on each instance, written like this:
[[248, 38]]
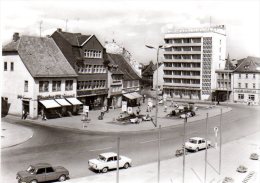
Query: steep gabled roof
[[148, 69], [75, 39], [42, 57], [249, 65], [123, 65]]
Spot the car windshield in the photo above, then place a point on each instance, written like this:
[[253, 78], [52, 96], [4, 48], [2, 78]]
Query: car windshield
[[30, 169], [193, 141], [102, 158]]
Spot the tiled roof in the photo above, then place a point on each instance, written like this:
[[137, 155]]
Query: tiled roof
[[12, 46], [249, 65], [148, 69], [42, 57], [75, 39], [123, 65]]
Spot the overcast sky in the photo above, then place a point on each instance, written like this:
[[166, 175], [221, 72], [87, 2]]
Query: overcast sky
[[133, 24]]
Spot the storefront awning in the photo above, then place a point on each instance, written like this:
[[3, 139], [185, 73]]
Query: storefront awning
[[128, 95], [137, 95], [74, 101], [49, 104], [63, 102]]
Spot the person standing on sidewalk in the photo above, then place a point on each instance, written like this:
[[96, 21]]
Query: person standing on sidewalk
[[23, 113]]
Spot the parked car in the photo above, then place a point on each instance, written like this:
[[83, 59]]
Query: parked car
[[196, 143], [107, 161], [42, 172], [188, 114]]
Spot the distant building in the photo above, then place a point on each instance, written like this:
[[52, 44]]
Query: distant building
[[114, 48], [87, 56], [247, 81], [160, 76], [37, 79], [147, 75], [190, 64]]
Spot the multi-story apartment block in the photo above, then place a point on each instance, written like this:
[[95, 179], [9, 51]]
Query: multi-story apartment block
[[37, 78], [247, 81], [86, 55], [191, 61]]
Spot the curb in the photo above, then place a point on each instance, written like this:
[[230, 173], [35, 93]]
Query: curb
[[104, 132]]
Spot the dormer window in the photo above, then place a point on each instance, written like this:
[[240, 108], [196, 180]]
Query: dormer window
[[93, 53]]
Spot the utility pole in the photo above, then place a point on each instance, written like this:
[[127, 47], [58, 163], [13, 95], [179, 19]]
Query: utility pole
[[159, 153], [118, 157], [206, 150], [184, 150], [220, 141]]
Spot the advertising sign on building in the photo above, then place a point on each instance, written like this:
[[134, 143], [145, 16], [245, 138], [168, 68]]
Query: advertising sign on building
[[124, 106]]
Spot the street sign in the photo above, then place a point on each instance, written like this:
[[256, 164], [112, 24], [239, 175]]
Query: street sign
[[85, 109], [130, 110]]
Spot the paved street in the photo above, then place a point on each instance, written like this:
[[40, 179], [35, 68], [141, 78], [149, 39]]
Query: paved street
[[73, 149]]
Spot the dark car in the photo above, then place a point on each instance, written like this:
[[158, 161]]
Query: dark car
[[42, 172]]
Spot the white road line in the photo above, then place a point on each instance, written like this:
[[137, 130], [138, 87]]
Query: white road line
[[101, 149], [154, 140]]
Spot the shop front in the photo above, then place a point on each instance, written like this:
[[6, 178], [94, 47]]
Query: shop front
[[133, 99]]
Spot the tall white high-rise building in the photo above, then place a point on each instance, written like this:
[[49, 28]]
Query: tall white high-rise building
[[190, 60]]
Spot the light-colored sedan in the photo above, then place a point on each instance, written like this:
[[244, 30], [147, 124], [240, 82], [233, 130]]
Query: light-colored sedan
[[197, 143], [107, 161]]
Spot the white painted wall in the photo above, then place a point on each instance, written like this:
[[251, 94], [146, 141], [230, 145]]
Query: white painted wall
[[160, 77], [13, 84]]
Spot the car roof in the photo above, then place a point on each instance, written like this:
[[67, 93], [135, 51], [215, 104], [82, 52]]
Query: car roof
[[197, 138], [41, 165], [108, 154]]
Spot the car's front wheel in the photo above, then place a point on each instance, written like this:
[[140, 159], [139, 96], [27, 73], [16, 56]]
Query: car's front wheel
[[197, 149], [62, 178], [126, 166], [104, 170], [34, 181]]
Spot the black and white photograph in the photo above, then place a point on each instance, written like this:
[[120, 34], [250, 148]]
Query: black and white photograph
[[130, 91]]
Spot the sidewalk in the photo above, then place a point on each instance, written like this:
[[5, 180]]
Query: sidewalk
[[233, 154], [12, 135], [110, 124]]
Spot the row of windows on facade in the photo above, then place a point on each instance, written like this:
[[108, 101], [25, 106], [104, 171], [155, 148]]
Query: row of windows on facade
[[182, 73], [182, 92], [186, 48], [246, 76], [93, 53], [183, 40], [196, 65], [6, 66], [250, 97], [183, 81], [92, 69], [182, 57], [85, 85], [247, 85], [56, 86]]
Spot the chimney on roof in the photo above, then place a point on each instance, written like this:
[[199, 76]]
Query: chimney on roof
[[59, 30], [16, 36]]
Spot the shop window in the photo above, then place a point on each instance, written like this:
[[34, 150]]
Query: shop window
[[69, 85], [240, 96], [25, 86], [43, 86], [56, 86], [251, 97]]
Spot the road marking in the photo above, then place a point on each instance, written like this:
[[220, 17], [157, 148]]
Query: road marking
[[101, 149], [154, 140]]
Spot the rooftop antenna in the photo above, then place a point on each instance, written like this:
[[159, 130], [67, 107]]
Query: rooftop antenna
[[210, 21], [40, 28], [113, 40], [66, 25]]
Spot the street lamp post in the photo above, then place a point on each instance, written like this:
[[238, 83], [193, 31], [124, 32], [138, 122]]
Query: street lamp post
[[157, 78]]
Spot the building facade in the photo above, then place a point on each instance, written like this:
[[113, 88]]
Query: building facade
[[247, 81], [87, 56], [191, 61], [37, 78]]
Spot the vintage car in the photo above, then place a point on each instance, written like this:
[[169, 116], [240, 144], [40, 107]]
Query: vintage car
[[42, 172], [196, 143], [107, 161]]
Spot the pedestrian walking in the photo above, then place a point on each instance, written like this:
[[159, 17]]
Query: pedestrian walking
[[144, 98], [138, 111], [165, 108], [26, 114]]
